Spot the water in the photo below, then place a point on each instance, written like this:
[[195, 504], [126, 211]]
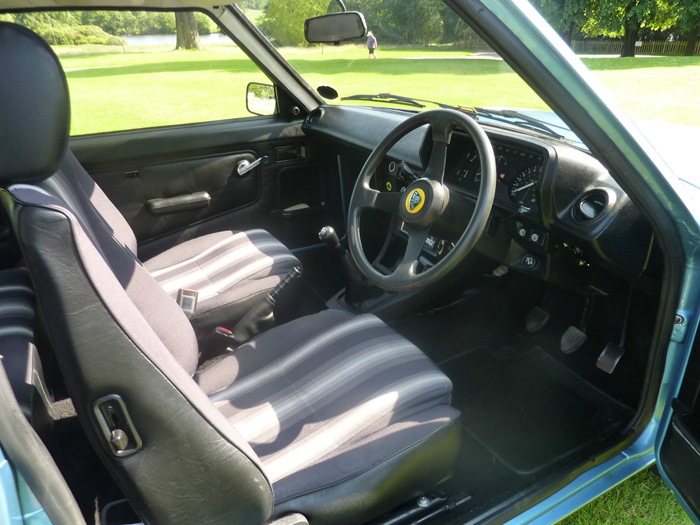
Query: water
[[169, 40]]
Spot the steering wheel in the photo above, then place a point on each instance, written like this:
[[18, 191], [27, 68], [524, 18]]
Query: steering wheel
[[423, 202]]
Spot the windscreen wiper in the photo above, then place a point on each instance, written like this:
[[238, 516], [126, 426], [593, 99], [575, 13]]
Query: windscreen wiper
[[399, 99], [507, 116], [388, 98], [523, 120]]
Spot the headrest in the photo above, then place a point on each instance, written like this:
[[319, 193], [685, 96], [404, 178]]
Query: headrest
[[34, 107]]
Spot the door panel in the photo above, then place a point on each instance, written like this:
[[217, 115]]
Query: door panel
[[292, 195], [134, 189], [679, 454]]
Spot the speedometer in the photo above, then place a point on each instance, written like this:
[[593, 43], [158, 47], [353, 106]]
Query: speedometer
[[523, 189]]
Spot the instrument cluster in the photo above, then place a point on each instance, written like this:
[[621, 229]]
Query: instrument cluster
[[518, 171]]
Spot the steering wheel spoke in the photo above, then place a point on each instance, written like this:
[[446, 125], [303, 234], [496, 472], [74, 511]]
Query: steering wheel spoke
[[436, 165], [416, 240], [381, 200], [406, 269], [388, 201]]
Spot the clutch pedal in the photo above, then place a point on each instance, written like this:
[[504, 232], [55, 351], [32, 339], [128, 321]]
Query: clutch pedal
[[536, 319]]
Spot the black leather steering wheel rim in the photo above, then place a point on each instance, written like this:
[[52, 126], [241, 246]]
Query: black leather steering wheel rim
[[423, 201]]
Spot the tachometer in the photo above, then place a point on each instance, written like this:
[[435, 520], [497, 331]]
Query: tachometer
[[523, 189]]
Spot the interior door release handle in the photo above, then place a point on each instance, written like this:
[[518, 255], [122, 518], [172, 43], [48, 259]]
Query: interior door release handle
[[245, 166]]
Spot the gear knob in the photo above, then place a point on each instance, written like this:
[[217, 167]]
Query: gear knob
[[328, 235]]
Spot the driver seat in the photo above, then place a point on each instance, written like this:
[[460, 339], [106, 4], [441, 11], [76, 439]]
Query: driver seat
[[332, 416]]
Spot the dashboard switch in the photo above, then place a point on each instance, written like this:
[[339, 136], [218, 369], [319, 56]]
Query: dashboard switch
[[529, 261]]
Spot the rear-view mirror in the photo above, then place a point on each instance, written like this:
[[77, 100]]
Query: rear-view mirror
[[336, 27]]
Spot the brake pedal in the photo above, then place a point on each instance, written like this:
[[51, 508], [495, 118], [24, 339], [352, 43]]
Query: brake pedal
[[609, 357], [572, 340], [536, 319]]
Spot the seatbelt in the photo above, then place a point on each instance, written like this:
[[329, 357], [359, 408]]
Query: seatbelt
[[261, 316]]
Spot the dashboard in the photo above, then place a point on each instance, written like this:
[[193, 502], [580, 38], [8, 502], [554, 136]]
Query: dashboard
[[556, 208]]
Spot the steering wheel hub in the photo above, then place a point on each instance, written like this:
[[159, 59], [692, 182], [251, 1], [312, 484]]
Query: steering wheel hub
[[423, 202]]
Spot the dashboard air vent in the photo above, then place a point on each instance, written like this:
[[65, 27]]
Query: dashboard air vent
[[590, 206], [313, 117]]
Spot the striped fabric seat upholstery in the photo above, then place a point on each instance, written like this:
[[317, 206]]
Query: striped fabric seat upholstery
[[224, 267], [229, 269], [321, 406]]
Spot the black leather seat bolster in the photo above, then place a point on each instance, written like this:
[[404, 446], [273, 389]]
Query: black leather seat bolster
[[214, 481], [399, 478]]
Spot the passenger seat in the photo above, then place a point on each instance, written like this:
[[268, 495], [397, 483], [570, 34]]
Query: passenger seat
[[230, 270]]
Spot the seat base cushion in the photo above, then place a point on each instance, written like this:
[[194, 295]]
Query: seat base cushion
[[407, 474], [230, 270], [342, 411]]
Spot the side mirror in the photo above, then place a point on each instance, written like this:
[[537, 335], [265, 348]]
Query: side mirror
[[260, 99], [334, 28]]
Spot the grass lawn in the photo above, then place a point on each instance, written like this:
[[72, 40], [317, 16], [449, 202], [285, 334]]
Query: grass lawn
[[162, 87], [641, 499], [153, 87]]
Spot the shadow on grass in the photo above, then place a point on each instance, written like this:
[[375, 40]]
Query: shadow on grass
[[228, 66], [620, 64], [399, 66], [388, 66]]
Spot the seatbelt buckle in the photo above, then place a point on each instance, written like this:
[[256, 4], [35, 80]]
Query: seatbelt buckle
[[187, 299], [225, 332]]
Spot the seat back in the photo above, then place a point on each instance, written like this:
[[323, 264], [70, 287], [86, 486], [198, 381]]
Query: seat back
[[75, 185], [125, 349]]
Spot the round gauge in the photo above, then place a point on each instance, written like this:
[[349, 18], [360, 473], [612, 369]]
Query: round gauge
[[501, 165], [470, 172], [523, 189]]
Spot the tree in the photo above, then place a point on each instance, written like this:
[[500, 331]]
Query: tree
[[187, 32], [454, 29], [284, 21], [567, 17], [688, 23], [407, 21], [625, 18], [415, 21]]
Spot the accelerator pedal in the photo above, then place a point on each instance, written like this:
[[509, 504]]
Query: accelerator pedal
[[572, 340], [609, 357], [536, 319]]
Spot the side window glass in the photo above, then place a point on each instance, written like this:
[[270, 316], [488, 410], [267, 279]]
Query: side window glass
[[144, 69]]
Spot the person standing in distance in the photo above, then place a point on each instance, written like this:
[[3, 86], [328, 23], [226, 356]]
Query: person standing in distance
[[371, 44]]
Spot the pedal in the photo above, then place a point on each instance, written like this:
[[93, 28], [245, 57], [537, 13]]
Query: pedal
[[572, 340], [609, 357], [536, 319]]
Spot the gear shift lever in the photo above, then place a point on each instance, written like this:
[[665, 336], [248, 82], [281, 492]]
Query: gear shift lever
[[357, 288], [330, 237]]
